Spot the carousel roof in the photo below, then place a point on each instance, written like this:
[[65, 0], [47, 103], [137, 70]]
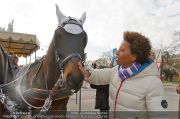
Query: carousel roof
[[19, 44]]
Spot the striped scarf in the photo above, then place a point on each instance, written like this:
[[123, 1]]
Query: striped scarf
[[135, 68]]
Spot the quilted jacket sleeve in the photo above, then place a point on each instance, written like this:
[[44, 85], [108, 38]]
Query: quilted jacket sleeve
[[101, 76]]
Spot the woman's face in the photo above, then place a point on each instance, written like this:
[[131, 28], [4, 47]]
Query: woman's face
[[124, 56]]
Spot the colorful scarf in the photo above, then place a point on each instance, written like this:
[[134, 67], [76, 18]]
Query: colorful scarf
[[135, 68]]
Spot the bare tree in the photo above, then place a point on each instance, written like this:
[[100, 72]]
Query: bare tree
[[174, 46], [169, 55], [107, 54]]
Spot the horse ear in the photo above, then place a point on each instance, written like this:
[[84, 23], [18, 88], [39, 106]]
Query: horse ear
[[60, 15], [83, 18]]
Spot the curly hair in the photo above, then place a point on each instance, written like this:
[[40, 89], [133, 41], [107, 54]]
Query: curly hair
[[140, 46]]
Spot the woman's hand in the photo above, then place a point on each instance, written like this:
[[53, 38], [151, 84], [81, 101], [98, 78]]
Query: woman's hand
[[85, 73]]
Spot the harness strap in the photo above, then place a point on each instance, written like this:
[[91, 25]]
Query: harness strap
[[41, 94], [9, 87], [68, 58], [40, 65]]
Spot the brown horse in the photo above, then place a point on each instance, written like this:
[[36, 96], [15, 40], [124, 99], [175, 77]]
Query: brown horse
[[45, 85]]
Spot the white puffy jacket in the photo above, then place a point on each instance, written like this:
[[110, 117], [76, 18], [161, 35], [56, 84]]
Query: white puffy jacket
[[142, 92]]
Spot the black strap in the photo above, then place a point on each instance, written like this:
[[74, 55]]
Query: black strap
[[72, 21]]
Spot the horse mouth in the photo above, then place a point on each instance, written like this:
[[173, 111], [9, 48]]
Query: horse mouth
[[74, 83]]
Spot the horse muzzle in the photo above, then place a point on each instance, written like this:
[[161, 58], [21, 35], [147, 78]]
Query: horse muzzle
[[74, 83]]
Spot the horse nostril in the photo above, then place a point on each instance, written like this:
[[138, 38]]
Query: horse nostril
[[69, 80]]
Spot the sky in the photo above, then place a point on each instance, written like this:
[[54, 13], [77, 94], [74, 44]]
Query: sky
[[106, 20]]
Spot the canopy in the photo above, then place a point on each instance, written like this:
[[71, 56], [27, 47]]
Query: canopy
[[19, 44]]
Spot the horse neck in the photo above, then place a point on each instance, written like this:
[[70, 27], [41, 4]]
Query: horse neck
[[51, 70]]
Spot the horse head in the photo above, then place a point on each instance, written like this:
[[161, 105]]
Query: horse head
[[69, 43]]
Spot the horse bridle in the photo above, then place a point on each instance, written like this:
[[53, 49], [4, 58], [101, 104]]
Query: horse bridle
[[71, 21]]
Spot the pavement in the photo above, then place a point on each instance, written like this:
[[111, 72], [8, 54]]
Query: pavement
[[87, 100]]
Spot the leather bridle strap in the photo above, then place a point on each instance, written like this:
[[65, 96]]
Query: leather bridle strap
[[61, 65]]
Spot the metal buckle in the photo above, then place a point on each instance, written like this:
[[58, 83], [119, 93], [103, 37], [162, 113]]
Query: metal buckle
[[47, 105]]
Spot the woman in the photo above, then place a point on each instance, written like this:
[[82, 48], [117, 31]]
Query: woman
[[134, 83]]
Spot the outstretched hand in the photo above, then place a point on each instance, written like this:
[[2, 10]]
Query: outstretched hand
[[85, 73]]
